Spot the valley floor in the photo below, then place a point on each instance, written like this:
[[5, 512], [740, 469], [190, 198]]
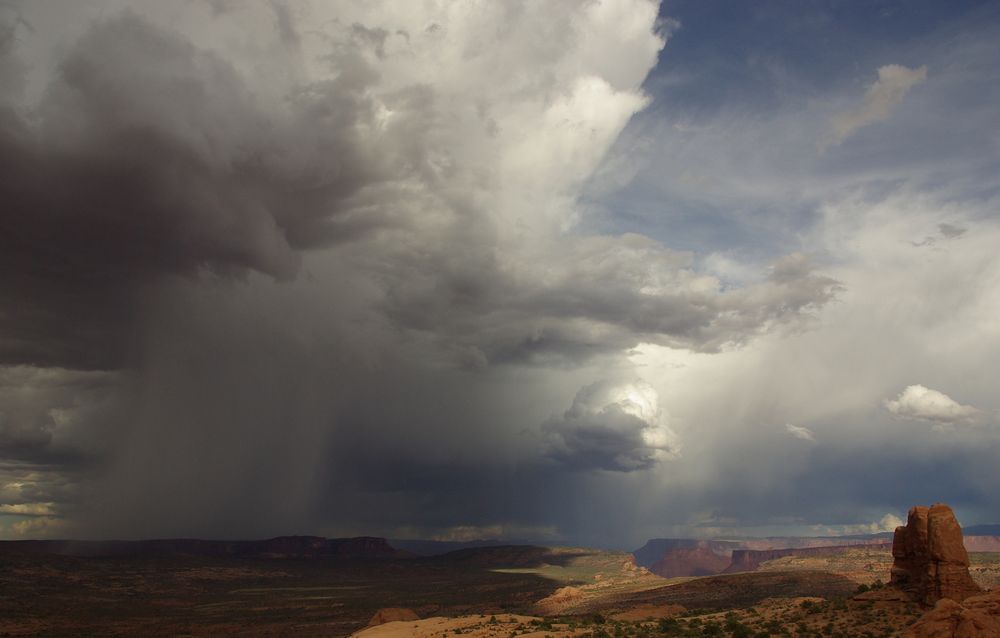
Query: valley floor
[[488, 593]]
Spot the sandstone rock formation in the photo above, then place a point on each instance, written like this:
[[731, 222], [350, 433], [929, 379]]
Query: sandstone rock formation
[[975, 617], [392, 614], [929, 559]]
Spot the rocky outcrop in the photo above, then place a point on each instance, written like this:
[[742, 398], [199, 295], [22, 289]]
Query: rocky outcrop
[[392, 614], [929, 559], [975, 617]]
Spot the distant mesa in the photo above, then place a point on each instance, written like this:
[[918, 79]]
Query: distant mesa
[[930, 561], [673, 557], [748, 560], [701, 560], [657, 549]]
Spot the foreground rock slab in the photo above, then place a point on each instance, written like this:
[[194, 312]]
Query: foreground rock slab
[[392, 614], [975, 617]]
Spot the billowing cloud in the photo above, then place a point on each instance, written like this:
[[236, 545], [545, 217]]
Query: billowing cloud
[[612, 425], [54, 415], [919, 402], [893, 83], [358, 188], [450, 195], [889, 523], [800, 432], [169, 163]]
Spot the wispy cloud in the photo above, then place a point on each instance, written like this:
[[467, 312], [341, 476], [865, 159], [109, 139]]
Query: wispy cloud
[[27, 509], [893, 83], [800, 432]]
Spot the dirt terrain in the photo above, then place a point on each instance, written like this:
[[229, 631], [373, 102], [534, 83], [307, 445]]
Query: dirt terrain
[[487, 592], [197, 596], [778, 617], [868, 565]]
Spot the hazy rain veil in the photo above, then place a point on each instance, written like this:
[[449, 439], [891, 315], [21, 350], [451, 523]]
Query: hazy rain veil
[[431, 149], [290, 268]]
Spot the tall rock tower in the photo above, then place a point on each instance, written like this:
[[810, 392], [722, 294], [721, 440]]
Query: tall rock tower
[[929, 558]]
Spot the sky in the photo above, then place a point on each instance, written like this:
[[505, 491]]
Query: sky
[[589, 272]]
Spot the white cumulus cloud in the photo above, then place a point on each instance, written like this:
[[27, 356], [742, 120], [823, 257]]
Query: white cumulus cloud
[[612, 425], [919, 402]]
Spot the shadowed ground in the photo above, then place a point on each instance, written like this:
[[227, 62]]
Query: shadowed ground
[[199, 596]]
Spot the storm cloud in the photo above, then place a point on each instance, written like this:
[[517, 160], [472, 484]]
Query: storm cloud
[[617, 426], [358, 268], [148, 158]]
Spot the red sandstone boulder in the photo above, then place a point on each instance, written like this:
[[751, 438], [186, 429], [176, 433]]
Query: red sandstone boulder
[[929, 558], [975, 617]]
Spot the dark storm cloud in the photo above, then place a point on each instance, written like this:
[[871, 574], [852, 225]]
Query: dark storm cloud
[[150, 158], [343, 286], [51, 416], [599, 295]]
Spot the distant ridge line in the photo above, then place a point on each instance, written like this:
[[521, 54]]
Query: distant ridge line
[[277, 547], [748, 560]]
